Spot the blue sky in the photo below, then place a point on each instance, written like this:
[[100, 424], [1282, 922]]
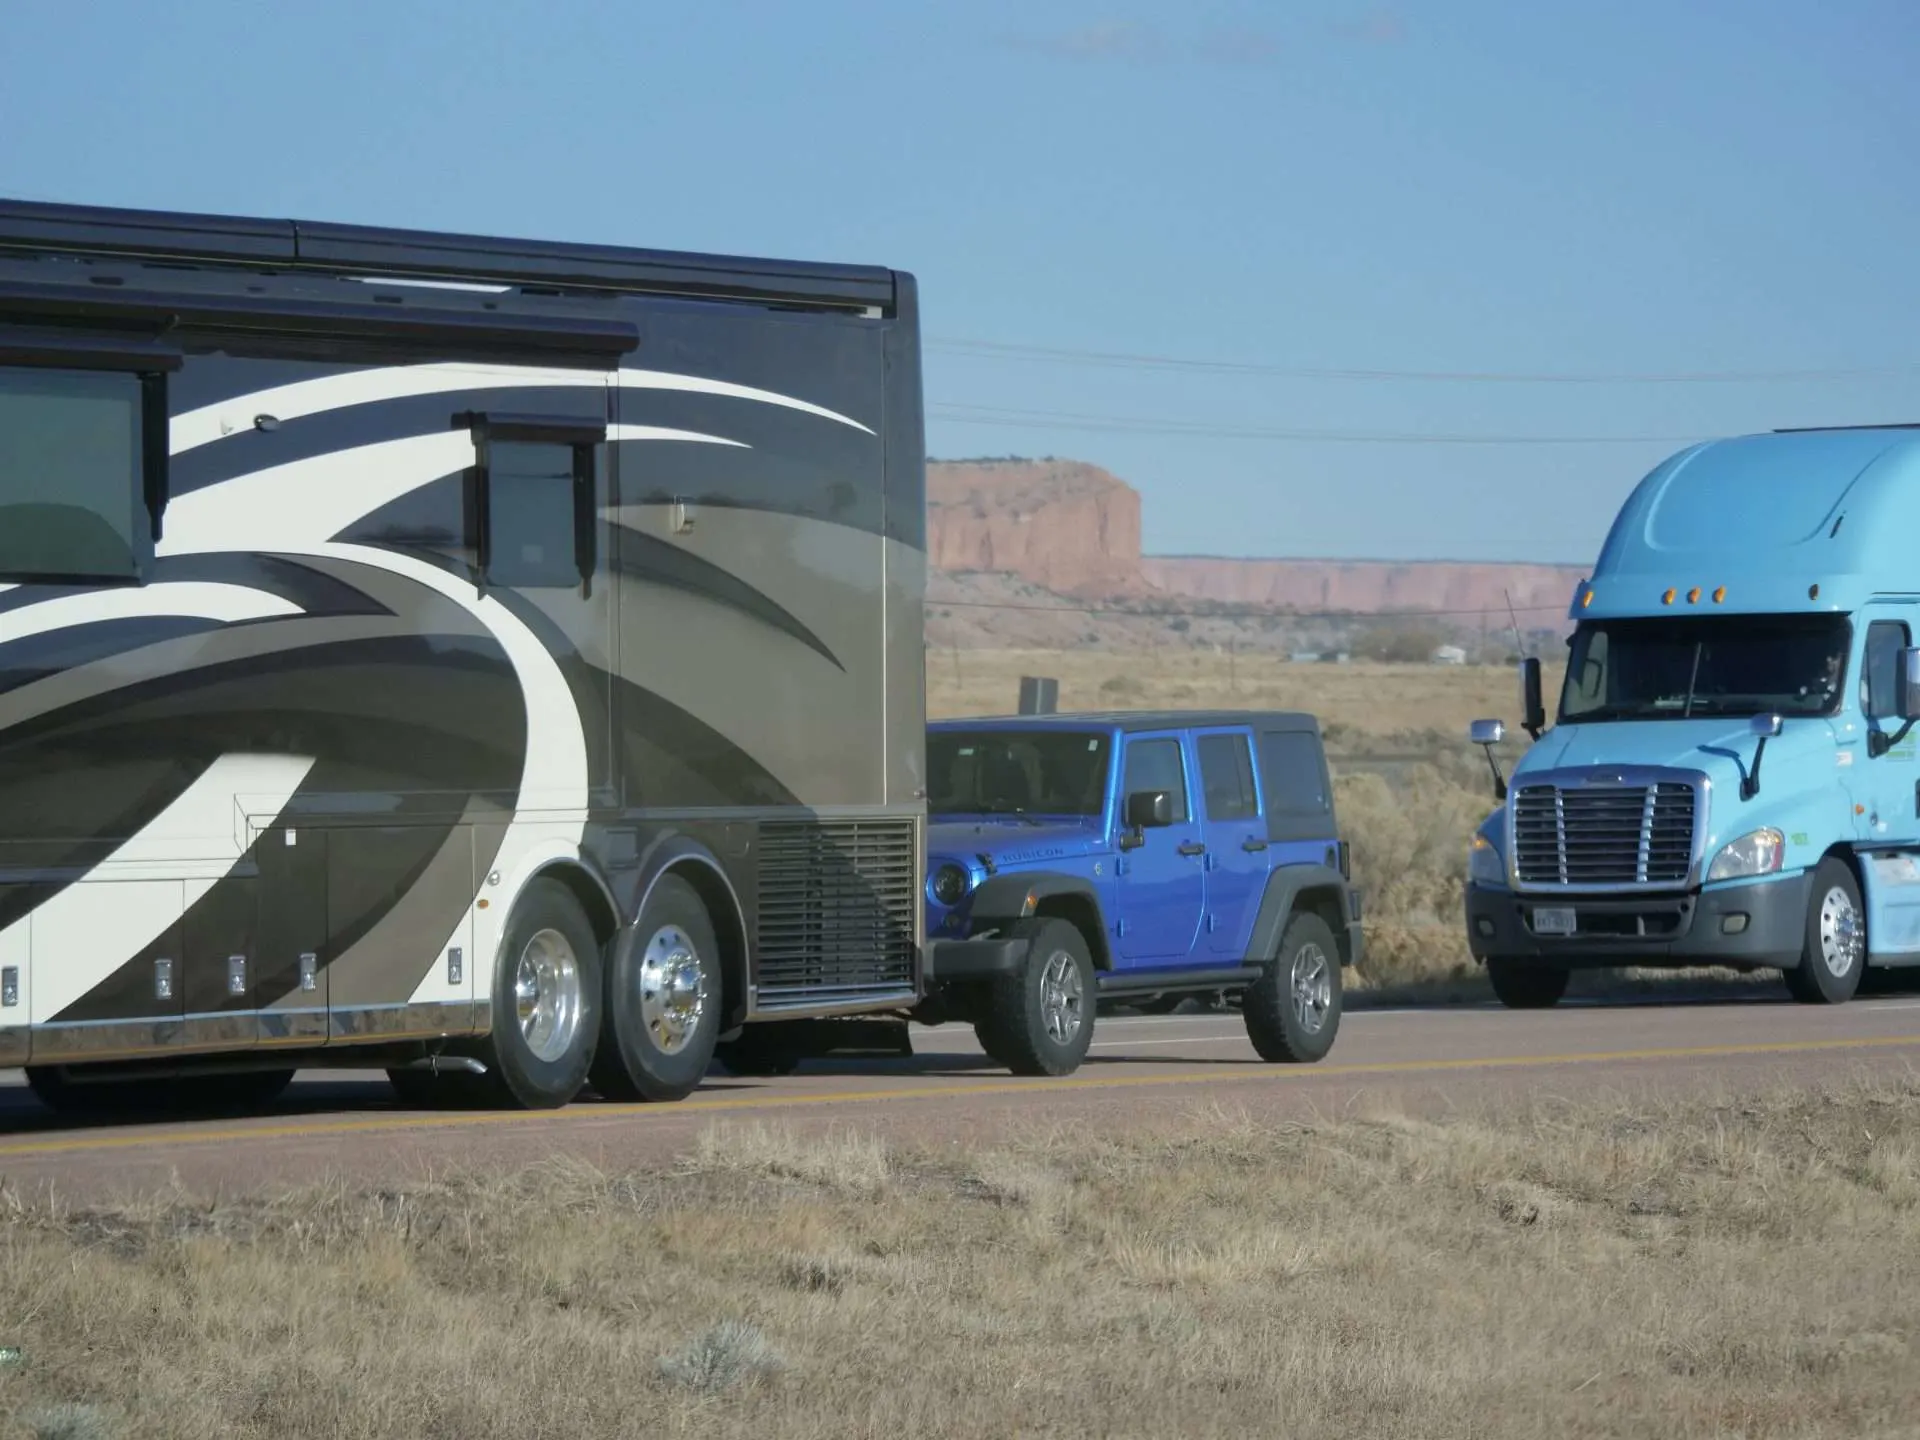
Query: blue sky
[[1470, 187]]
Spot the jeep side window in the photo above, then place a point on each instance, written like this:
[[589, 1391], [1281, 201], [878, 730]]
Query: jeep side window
[[1290, 765], [1226, 776], [1156, 765]]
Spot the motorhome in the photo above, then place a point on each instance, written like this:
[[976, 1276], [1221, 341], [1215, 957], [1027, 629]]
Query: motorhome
[[1731, 778], [495, 661]]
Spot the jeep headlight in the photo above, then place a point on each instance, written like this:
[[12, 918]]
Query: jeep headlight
[[1484, 866], [1758, 852], [949, 884]]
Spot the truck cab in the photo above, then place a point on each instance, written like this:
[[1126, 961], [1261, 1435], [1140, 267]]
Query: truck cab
[[1076, 858], [1730, 777]]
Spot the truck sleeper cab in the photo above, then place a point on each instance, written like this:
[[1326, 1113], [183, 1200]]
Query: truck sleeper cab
[[1079, 857], [495, 661], [1731, 776]]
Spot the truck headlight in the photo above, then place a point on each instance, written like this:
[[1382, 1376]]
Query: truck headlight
[[1759, 852], [949, 885], [1484, 866]]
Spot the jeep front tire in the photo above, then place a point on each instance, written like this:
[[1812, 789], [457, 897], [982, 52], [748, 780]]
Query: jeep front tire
[[1039, 1019]]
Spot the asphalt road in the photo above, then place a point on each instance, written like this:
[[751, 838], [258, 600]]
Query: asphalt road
[[1140, 1069]]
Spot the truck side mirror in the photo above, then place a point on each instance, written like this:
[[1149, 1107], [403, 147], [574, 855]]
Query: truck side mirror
[[1489, 733], [1532, 708], [1149, 810], [1763, 728], [1907, 677]]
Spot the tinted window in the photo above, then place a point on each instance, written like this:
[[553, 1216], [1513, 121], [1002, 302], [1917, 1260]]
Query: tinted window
[[1226, 776], [1880, 684], [1296, 780], [1677, 666], [1156, 765], [1010, 773], [530, 514], [71, 499]]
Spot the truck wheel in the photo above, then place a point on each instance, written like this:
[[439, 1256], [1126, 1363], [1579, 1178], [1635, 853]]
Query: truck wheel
[[663, 1000], [546, 1002], [1039, 1019], [1833, 952], [1292, 1012], [1526, 985]]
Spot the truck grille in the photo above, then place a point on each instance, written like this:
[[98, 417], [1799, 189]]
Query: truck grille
[[1603, 835], [839, 912]]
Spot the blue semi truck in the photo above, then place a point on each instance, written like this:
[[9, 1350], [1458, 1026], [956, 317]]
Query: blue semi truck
[[1731, 777]]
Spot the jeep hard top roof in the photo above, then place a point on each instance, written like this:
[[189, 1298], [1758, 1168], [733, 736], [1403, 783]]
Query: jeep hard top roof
[[1133, 721]]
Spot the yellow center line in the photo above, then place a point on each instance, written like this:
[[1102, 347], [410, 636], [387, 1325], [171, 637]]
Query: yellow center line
[[69, 1144]]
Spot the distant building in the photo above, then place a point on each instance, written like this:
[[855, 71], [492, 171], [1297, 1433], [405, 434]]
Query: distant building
[[1449, 655]]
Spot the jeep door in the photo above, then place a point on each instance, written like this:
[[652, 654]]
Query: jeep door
[[1235, 834], [1162, 886]]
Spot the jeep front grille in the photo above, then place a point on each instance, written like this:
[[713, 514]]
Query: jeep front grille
[[838, 911], [1603, 835]]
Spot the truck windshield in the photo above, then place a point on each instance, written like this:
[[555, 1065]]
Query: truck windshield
[[1680, 667], [1049, 772]]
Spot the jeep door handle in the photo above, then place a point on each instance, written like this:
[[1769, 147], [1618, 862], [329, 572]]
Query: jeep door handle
[[1252, 844], [1192, 847]]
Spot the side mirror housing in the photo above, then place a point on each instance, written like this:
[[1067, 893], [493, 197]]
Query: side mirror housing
[[1486, 732], [1765, 727], [1907, 676], [1149, 810], [1532, 706]]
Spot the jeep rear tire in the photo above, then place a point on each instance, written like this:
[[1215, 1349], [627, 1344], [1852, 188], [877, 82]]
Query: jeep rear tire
[[1039, 1019], [1292, 1012]]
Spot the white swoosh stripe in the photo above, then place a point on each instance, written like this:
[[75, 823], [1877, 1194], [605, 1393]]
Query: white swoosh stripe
[[83, 934], [207, 600], [360, 387]]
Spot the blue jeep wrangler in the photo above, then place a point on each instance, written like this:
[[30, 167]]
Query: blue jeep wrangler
[[1077, 858]]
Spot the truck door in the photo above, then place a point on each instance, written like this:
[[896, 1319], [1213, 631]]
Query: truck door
[[1235, 833], [1162, 885], [1889, 790]]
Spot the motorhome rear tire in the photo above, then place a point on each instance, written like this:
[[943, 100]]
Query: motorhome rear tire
[[546, 1001], [665, 993]]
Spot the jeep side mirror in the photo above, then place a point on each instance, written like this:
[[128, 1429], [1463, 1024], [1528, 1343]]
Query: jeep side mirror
[[1532, 708], [1149, 810], [1490, 733]]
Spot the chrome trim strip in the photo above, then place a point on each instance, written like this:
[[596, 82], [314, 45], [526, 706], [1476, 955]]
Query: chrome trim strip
[[81, 1041], [432, 1020], [1594, 777], [820, 1004], [14, 1043]]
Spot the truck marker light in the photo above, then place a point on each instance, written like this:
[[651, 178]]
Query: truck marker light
[[1719, 594], [1667, 599], [1693, 595], [1586, 600], [1813, 592]]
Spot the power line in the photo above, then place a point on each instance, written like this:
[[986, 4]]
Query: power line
[[1223, 611], [1007, 416], [992, 349]]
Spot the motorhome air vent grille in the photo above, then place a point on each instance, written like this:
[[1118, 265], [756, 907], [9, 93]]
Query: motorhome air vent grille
[[838, 911]]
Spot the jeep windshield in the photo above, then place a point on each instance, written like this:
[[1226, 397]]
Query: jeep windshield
[[1007, 772], [1690, 667]]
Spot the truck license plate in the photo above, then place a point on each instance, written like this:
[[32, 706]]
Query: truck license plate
[[1553, 922]]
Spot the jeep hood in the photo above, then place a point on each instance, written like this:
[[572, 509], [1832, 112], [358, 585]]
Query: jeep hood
[[1012, 843]]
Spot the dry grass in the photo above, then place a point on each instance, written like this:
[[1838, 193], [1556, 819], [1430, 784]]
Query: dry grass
[[1744, 1267]]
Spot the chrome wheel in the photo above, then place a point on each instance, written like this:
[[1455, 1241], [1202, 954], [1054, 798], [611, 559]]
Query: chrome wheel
[[1312, 988], [546, 995], [673, 989], [1840, 938], [1062, 1001]]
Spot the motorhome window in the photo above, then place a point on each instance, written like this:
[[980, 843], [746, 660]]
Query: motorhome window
[[1156, 765], [72, 499], [1679, 667], [1226, 775], [531, 514], [985, 772], [1880, 684]]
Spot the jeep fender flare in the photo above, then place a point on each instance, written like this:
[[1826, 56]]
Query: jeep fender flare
[[1316, 888], [1004, 899]]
